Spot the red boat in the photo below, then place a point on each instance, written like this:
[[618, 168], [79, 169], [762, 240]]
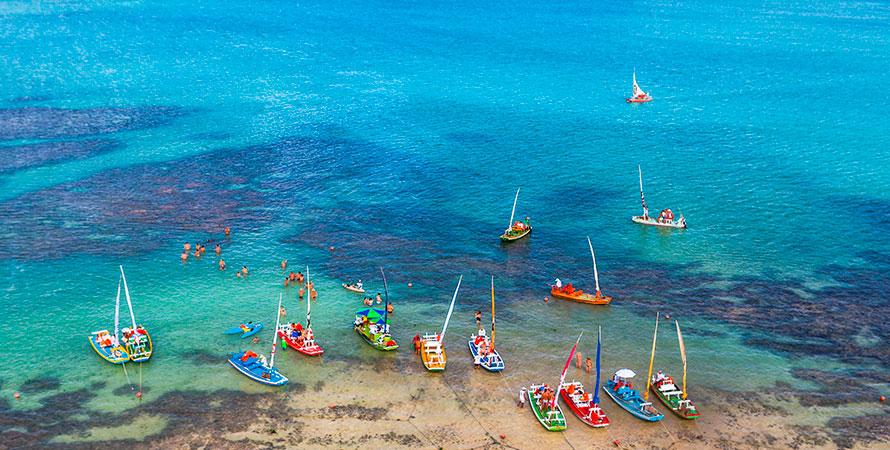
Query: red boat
[[639, 96], [581, 403], [304, 343]]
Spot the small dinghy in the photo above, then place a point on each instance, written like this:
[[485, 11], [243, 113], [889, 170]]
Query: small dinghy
[[665, 219], [516, 230], [580, 402], [667, 391], [432, 345], [245, 330], [357, 287], [255, 367], [639, 96], [299, 338], [482, 348]]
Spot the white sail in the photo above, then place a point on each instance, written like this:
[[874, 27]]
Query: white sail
[[450, 310], [596, 277], [308, 302], [642, 197], [127, 293], [637, 92], [117, 312], [275, 334], [513, 213]]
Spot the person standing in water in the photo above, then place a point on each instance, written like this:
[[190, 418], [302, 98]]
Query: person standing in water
[[378, 299], [227, 231], [218, 249], [283, 264], [222, 264], [184, 256]]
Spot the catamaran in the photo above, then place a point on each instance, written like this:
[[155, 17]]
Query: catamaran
[[373, 324], [432, 345], [621, 390], [255, 367], [108, 345], [519, 229], [664, 388], [482, 348], [579, 401], [568, 292], [665, 218], [639, 96], [299, 338], [543, 401]]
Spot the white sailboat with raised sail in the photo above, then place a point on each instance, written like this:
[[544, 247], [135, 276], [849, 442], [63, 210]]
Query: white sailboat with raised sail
[[519, 229], [432, 345], [639, 96], [136, 339], [108, 345], [665, 218]]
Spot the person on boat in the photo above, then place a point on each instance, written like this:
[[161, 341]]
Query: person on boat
[[526, 224], [263, 361], [570, 389], [244, 328], [359, 285], [585, 397], [569, 289], [378, 299], [247, 355], [659, 376], [558, 283], [389, 308], [217, 249]]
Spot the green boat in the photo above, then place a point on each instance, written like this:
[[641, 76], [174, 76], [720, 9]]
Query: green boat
[[518, 230], [553, 419], [669, 393], [373, 327]]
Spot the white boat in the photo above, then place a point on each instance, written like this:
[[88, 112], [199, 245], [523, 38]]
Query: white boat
[[665, 219], [482, 348]]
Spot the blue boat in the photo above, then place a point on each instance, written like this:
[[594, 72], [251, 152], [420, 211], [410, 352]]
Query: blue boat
[[253, 328], [479, 342], [621, 390], [254, 369]]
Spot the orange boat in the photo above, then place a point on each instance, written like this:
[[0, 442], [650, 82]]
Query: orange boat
[[568, 292]]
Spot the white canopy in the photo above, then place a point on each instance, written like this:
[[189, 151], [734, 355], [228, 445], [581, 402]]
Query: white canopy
[[625, 373]]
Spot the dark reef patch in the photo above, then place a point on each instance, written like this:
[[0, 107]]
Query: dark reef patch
[[54, 123], [40, 385], [847, 431], [31, 155]]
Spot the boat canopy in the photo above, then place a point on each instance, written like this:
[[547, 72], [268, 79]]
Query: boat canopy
[[374, 315], [625, 373]]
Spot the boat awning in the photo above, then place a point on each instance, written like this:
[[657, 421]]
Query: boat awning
[[625, 373]]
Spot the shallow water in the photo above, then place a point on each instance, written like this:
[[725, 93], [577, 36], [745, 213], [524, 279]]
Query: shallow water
[[398, 134]]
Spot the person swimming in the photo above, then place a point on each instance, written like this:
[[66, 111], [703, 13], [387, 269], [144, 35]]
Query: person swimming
[[227, 231], [184, 256], [378, 299], [217, 249], [283, 264], [222, 264], [244, 271], [389, 308]]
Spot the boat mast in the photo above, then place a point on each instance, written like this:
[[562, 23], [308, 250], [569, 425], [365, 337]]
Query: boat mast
[[308, 302], [492, 312], [651, 358], [386, 303], [682, 356], [117, 311], [127, 293], [565, 369], [450, 310], [275, 335], [596, 391], [642, 197], [596, 277], [513, 213]]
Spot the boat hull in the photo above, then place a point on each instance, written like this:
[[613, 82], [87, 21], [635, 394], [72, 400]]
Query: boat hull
[[275, 378], [308, 350], [584, 413], [583, 298], [550, 422], [373, 342], [654, 223], [432, 364], [630, 407], [114, 355], [510, 238], [638, 100], [492, 363], [674, 406], [353, 289], [145, 354]]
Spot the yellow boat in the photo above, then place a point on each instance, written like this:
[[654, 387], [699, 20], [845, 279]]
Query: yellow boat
[[432, 345]]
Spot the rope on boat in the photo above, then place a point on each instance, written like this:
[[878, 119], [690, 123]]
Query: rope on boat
[[673, 439], [140, 377], [128, 376]]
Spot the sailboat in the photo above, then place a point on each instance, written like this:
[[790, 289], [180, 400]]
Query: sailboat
[[639, 96], [579, 401], [675, 399], [136, 339], [543, 400], [568, 292], [432, 345], [254, 366], [665, 218], [108, 345], [373, 324], [482, 348], [519, 229], [621, 390], [299, 338]]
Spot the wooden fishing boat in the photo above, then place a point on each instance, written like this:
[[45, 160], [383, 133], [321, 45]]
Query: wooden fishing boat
[[252, 329], [666, 390], [665, 219], [568, 292], [621, 391], [432, 345], [582, 405], [518, 230], [373, 324], [254, 366], [108, 345], [549, 414], [547, 411], [353, 288], [482, 348], [638, 96], [299, 338], [136, 339]]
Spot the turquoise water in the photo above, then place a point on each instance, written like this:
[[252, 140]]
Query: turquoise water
[[398, 133]]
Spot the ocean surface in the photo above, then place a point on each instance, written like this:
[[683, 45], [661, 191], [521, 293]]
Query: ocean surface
[[349, 136]]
